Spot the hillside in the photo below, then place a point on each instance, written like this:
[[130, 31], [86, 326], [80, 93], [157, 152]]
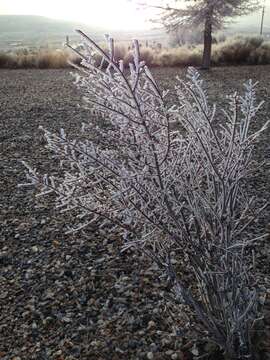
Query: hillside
[[30, 30], [37, 29], [31, 24]]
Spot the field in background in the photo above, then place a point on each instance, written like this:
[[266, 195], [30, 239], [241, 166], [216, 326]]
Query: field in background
[[232, 51]]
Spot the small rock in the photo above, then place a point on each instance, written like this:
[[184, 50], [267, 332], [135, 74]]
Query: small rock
[[48, 320], [95, 343], [165, 341], [66, 319], [151, 324], [34, 325], [49, 294], [28, 274], [188, 345], [3, 295], [23, 227], [153, 347], [57, 353], [68, 273], [134, 344], [150, 355], [195, 350]]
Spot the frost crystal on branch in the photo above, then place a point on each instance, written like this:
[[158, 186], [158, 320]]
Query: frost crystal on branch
[[172, 177]]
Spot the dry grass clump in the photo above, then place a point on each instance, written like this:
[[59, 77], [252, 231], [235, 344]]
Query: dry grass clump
[[25, 61], [180, 56], [120, 52], [261, 55], [52, 59], [7, 61], [241, 50], [146, 54], [42, 59]]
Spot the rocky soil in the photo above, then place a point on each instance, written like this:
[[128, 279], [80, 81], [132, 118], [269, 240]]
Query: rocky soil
[[67, 297]]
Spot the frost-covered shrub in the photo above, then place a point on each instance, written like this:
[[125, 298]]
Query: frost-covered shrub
[[173, 179]]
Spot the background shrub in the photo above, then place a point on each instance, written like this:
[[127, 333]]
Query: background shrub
[[233, 51], [237, 51], [52, 60]]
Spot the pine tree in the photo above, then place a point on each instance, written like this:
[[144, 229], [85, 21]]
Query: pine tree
[[208, 14]]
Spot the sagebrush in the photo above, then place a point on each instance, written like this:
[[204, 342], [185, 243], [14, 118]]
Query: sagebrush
[[173, 179]]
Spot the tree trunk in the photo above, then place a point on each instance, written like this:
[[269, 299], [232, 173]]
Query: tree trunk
[[206, 61]]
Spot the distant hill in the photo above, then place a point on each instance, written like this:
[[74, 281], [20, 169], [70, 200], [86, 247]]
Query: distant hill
[[27, 27], [31, 30]]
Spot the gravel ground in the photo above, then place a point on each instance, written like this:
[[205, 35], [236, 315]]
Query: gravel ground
[[66, 297]]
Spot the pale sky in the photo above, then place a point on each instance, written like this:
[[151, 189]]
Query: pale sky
[[111, 14], [114, 14]]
